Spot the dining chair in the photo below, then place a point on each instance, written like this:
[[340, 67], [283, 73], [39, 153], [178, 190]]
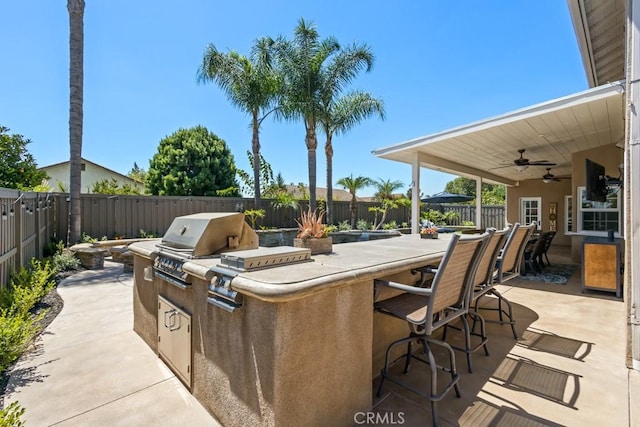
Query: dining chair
[[425, 309]]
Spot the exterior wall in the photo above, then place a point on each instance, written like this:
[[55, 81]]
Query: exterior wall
[[608, 156], [91, 175], [550, 193]]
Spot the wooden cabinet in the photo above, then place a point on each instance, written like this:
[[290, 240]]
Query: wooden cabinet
[[601, 267]]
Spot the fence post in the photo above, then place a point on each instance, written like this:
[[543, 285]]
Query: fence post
[[19, 212]]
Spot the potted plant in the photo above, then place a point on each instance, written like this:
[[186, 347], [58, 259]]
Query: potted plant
[[429, 232], [313, 233]]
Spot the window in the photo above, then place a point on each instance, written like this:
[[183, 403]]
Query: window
[[599, 217], [530, 210], [568, 214]]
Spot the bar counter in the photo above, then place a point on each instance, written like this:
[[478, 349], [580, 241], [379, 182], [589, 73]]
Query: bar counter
[[305, 345]]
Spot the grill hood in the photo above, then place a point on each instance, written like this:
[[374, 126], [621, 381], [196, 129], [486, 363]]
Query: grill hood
[[209, 233]]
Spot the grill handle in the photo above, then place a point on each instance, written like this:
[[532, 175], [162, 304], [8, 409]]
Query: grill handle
[[224, 304]]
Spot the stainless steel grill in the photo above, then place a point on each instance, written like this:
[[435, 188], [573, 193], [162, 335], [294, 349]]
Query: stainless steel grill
[[223, 235], [197, 236]]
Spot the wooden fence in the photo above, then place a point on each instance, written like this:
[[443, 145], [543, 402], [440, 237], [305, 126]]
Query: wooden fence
[[34, 219], [26, 226]]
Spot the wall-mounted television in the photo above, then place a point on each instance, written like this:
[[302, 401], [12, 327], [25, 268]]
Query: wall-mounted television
[[596, 182]]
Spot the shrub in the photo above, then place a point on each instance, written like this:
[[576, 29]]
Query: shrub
[[144, 235], [53, 247], [391, 225], [363, 225], [65, 260], [468, 223], [330, 228], [85, 238], [10, 416], [16, 331], [28, 286], [344, 225]]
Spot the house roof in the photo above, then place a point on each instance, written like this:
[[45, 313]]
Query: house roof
[[599, 26], [552, 131], [123, 177]]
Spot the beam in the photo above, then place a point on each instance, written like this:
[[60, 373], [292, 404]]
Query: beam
[[442, 165]]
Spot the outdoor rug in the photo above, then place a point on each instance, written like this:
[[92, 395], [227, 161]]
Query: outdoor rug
[[556, 273]]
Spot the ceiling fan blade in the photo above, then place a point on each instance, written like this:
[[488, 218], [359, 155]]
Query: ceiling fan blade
[[542, 163]]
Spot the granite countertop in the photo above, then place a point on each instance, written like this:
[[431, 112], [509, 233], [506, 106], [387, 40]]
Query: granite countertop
[[348, 263]]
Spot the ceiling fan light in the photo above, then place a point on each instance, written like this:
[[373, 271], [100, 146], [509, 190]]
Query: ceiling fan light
[[546, 180], [522, 168]]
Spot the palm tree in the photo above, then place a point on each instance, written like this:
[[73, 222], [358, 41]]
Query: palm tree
[[339, 116], [301, 64], [250, 85], [353, 185], [388, 200], [76, 72], [385, 189]]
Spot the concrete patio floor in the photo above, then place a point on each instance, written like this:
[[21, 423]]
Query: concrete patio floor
[[567, 368]]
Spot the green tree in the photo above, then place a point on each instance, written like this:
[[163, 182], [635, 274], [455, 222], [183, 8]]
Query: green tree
[[18, 169], [112, 186], [266, 176], [341, 114], [250, 84], [192, 162], [137, 173], [492, 194], [353, 185], [76, 88]]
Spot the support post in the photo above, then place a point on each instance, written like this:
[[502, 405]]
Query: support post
[[632, 177], [479, 202], [415, 195]]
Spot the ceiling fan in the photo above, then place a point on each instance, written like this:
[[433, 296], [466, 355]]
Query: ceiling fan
[[549, 177], [523, 163]]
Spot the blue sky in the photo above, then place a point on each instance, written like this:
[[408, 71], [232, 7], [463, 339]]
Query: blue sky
[[439, 64]]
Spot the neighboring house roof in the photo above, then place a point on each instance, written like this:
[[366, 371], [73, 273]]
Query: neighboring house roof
[[123, 179], [321, 193]]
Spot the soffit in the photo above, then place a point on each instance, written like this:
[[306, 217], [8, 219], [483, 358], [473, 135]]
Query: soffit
[[600, 31]]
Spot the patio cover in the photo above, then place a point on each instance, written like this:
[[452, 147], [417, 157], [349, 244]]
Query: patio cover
[[551, 130]]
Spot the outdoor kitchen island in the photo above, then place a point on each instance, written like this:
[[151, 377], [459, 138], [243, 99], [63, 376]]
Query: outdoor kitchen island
[[301, 345]]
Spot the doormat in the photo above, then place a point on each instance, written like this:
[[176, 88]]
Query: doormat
[[556, 273]]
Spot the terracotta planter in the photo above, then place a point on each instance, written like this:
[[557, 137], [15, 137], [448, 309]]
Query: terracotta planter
[[317, 246]]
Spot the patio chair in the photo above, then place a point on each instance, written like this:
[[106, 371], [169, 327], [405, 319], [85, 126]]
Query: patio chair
[[509, 261], [508, 265], [547, 244], [485, 281], [484, 284], [427, 309], [534, 252]]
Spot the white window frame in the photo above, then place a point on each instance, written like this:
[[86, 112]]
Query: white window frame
[[579, 221], [568, 215], [538, 216]]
